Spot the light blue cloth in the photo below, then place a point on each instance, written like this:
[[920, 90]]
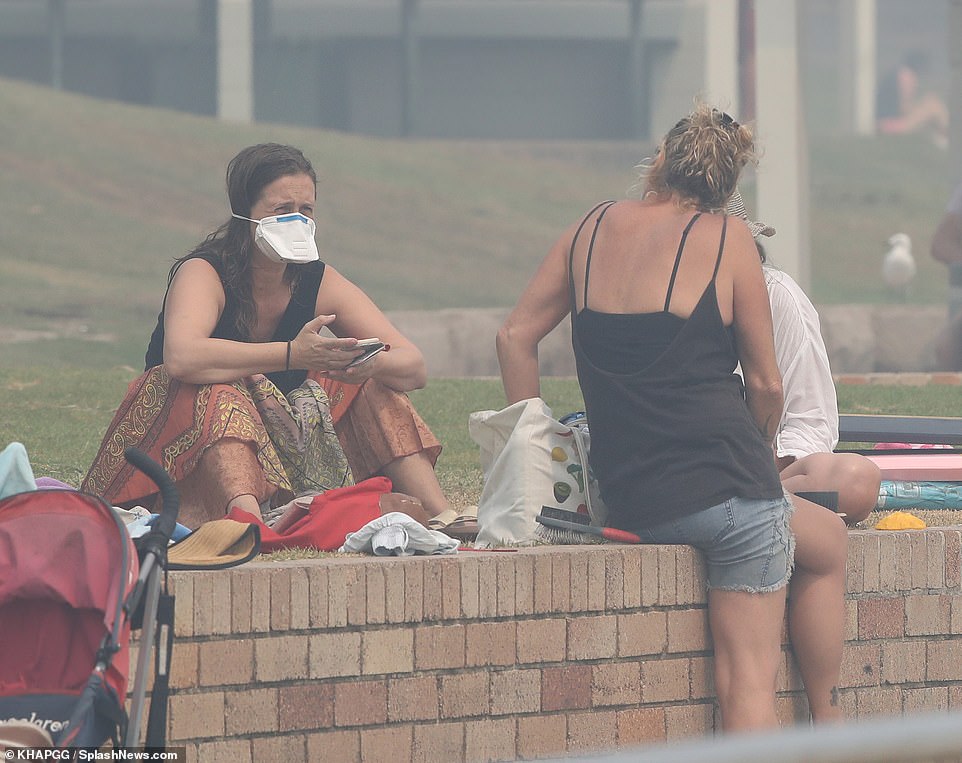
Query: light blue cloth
[[16, 476]]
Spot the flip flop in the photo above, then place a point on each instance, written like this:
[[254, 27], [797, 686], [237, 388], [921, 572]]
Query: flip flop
[[465, 525]]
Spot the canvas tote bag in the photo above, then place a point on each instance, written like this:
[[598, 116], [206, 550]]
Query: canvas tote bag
[[529, 460]]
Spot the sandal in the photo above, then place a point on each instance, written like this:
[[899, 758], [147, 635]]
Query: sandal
[[465, 525], [442, 520]]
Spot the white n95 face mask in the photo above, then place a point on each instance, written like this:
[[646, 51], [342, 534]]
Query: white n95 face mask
[[285, 238]]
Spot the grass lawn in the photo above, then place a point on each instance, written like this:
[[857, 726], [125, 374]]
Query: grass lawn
[[61, 417]]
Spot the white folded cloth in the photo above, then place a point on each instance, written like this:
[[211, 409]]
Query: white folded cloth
[[397, 534]]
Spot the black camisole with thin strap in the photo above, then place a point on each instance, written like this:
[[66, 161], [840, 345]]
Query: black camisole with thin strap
[[299, 311], [671, 433]]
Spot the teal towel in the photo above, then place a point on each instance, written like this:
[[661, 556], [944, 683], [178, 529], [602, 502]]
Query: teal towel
[[16, 476]]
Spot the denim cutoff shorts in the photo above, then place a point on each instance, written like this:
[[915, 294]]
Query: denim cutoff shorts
[[747, 542]]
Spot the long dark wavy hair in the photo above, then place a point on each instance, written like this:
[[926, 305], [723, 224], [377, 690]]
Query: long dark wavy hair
[[232, 245]]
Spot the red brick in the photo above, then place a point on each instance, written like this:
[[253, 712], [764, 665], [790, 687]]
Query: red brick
[[413, 591], [387, 651], [260, 602], [925, 700], [184, 666], [688, 631], [514, 692], [614, 579], [393, 590], [560, 583], [433, 600], [434, 743], [667, 576], [412, 699], [490, 740], [792, 710], [318, 593], [391, 743], [542, 584], [578, 583], [360, 703], [881, 618], [196, 716], [280, 580], [224, 751], [597, 582], [290, 749], [376, 591], [488, 586], [871, 574], [642, 633], [861, 665], [542, 640], [631, 574], [439, 646], [702, 677], [334, 654], [356, 595], [855, 564], [470, 586], [250, 711], [505, 570], [281, 658], [953, 559], [927, 615], [639, 726], [541, 736], [450, 588], [665, 680], [592, 637], [307, 706], [566, 688], [878, 701], [491, 643], [300, 599], [523, 584], [616, 683], [240, 600], [340, 746], [593, 731], [465, 695], [686, 721], [944, 661]]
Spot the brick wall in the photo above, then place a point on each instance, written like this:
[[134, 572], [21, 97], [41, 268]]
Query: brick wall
[[517, 655]]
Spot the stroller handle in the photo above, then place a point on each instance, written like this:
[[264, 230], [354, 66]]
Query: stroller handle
[[170, 500]]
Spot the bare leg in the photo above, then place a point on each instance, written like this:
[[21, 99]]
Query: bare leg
[[855, 478], [227, 475], [746, 630], [816, 604]]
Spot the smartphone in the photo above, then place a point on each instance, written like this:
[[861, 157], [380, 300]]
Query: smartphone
[[371, 348]]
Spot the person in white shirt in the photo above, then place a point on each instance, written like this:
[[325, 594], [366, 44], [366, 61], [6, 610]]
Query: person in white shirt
[[808, 431]]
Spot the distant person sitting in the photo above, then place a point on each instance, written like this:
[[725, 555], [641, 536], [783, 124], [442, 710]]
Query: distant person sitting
[[808, 430], [947, 248], [903, 106]]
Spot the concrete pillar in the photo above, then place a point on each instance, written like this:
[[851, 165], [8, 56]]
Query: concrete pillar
[[857, 70], [56, 19], [954, 32], [783, 172], [235, 60], [410, 65], [721, 54], [638, 94]]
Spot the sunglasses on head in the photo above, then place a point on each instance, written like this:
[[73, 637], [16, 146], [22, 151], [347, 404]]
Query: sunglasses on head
[[725, 119]]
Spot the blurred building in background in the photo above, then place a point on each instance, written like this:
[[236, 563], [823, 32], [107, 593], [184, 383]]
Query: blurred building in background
[[485, 69]]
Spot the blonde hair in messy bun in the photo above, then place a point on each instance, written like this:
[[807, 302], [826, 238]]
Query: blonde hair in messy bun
[[700, 159]]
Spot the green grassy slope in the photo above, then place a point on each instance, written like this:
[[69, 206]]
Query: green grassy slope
[[98, 198]]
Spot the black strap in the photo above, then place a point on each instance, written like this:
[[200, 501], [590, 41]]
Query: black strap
[[571, 252], [721, 246], [681, 247]]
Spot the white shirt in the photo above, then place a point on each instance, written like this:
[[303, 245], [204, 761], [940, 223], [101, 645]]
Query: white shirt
[[810, 417]]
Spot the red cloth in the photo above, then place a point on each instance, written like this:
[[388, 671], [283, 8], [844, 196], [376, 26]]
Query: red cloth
[[328, 520]]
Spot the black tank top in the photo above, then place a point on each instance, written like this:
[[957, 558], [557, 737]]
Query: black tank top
[[299, 311], [671, 433]]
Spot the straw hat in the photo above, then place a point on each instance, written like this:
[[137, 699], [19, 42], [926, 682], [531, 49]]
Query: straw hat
[[736, 208], [215, 545]]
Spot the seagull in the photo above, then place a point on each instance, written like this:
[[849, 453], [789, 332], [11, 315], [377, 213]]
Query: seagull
[[898, 266]]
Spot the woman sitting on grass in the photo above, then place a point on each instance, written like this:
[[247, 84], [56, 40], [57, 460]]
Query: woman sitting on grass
[[242, 395]]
